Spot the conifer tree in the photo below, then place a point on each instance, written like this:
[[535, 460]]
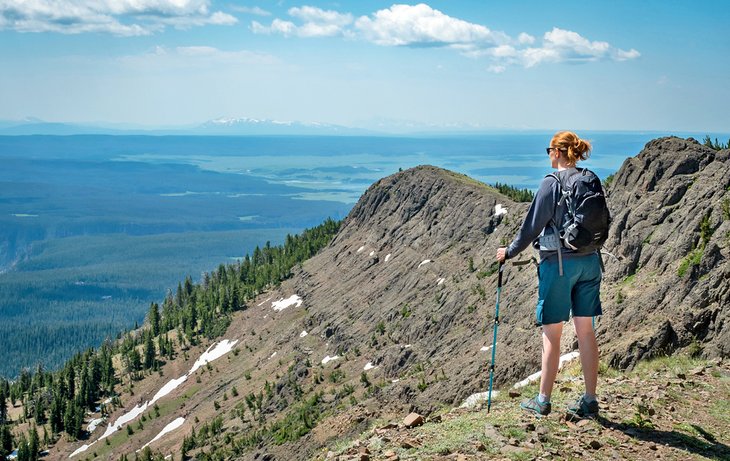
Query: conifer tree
[[6, 440], [3, 406], [154, 318], [149, 352]]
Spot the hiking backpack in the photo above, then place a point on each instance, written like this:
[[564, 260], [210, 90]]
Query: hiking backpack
[[587, 219]]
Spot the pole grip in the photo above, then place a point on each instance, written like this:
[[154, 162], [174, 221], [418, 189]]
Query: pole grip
[[499, 277]]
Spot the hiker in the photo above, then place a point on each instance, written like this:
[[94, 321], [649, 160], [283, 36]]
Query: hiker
[[569, 281]]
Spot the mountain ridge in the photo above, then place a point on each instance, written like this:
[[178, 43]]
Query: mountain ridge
[[394, 314]]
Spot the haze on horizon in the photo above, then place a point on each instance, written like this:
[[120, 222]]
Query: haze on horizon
[[624, 65]]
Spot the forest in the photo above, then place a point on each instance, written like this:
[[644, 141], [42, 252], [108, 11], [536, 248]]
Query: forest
[[54, 402]]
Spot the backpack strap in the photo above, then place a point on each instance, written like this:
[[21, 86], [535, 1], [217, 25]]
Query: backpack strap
[[556, 231]]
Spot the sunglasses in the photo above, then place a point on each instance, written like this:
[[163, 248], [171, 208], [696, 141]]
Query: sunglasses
[[549, 149]]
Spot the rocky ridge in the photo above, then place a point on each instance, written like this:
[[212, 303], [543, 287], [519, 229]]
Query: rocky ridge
[[396, 313]]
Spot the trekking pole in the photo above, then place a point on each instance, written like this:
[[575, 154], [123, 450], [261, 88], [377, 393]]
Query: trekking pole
[[494, 340]]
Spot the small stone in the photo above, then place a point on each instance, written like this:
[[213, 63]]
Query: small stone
[[681, 376], [435, 419], [479, 446], [363, 457], [507, 449], [651, 411], [652, 446], [514, 442], [409, 443], [330, 454], [595, 444], [671, 408], [412, 420], [566, 389], [491, 433], [529, 427], [514, 394], [387, 427]]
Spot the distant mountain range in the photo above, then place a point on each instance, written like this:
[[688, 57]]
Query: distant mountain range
[[219, 126], [241, 126]]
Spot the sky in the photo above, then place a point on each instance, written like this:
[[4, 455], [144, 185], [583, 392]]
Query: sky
[[486, 65]]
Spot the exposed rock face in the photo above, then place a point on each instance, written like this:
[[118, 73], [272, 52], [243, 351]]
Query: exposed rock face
[[671, 233], [395, 284]]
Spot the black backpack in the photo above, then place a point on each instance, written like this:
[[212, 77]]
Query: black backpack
[[584, 227]]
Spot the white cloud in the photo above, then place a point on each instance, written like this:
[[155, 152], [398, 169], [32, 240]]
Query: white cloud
[[526, 39], [560, 45], [421, 25], [118, 17], [316, 23]]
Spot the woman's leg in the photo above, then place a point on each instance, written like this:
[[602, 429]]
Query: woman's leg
[[550, 356], [588, 352]]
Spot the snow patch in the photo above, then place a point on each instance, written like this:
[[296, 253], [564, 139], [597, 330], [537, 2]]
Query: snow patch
[[265, 301], [169, 387], [359, 250], [440, 281], [372, 253], [426, 261], [387, 257], [303, 333], [474, 399], [272, 355], [93, 424], [535, 376], [499, 210], [328, 359], [169, 428], [486, 348], [293, 300], [213, 352], [81, 449], [369, 366], [220, 349]]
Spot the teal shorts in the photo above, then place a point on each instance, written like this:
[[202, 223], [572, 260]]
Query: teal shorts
[[577, 291]]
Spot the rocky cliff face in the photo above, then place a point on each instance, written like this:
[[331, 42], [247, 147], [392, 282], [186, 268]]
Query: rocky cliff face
[[670, 287]]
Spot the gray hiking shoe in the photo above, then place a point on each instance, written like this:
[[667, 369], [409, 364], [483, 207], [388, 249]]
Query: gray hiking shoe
[[582, 408], [533, 405]]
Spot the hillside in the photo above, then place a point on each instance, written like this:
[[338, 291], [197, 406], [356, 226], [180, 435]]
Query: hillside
[[394, 315]]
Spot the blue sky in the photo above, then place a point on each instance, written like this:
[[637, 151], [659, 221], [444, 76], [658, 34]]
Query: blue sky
[[610, 65]]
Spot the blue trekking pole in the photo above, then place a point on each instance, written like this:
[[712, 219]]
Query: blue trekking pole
[[494, 341]]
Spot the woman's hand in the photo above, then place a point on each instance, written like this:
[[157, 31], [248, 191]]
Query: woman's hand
[[501, 254]]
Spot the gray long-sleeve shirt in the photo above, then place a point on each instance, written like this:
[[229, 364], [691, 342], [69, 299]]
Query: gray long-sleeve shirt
[[544, 208]]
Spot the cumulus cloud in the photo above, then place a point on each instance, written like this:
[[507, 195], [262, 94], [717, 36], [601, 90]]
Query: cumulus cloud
[[118, 17], [560, 45], [423, 26], [314, 22]]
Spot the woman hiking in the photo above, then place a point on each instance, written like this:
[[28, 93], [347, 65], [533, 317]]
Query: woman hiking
[[574, 291]]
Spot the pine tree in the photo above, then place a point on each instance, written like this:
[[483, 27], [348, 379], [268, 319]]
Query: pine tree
[[33, 444], [3, 406], [149, 352], [154, 318], [6, 440]]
